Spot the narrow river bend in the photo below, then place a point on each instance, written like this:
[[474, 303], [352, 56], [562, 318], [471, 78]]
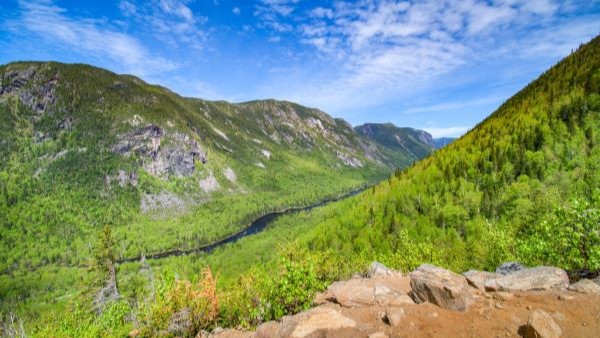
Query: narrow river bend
[[255, 227]]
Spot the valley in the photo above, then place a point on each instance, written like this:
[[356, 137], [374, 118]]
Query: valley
[[102, 174]]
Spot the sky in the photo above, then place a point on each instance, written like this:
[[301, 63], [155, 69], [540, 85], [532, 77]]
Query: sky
[[442, 66]]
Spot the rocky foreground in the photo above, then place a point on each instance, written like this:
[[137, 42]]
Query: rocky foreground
[[433, 302]]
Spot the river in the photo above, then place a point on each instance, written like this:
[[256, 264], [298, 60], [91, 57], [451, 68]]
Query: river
[[254, 227]]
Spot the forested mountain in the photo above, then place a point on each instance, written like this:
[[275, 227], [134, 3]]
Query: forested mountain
[[524, 185], [416, 143]]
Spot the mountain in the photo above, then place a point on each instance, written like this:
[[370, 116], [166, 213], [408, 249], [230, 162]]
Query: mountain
[[416, 143], [83, 147], [523, 185], [442, 142]]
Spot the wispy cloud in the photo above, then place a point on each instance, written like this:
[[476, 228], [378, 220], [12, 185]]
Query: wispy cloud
[[83, 35], [170, 21]]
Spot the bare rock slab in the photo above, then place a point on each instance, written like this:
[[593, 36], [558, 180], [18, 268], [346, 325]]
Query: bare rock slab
[[353, 292], [541, 325], [317, 319], [539, 278], [585, 286], [440, 287], [477, 279]]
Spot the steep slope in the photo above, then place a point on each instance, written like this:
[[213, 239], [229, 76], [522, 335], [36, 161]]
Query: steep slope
[[409, 143], [523, 184], [83, 147]]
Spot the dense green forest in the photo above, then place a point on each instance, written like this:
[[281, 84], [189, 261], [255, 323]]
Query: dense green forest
[[522, 185]]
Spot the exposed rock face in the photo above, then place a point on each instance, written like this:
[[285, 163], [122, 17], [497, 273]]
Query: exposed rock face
[[509, 267], [477, 279], [34, 92], [539, 278], [541, 325], [441, 287], [124, 178], [349, 160], [175, 159], [585, 286], [209, 183]]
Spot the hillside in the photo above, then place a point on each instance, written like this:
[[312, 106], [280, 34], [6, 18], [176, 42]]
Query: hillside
[[82, 148], [416, 143]]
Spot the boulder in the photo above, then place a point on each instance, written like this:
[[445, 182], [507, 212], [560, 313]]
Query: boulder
[[353, 292], [585, 286], [394, 315], [378, 269], [509, 267], [477, 279], [441, 287], [539, 278], [311, 321], [541, 325]]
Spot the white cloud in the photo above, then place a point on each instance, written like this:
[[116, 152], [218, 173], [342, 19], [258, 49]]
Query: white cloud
[[170, 21], [447, 132], [236, 11], [82, 35], [384, 49]]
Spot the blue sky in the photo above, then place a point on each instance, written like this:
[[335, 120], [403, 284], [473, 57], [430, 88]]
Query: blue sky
[[437, 65]]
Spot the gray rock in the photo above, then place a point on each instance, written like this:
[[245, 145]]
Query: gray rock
[[585, 286], [441, 287], [378, 269], [509, 267], [177, 159], [477, 279], [538, 278], [65, 124], [541, 325]]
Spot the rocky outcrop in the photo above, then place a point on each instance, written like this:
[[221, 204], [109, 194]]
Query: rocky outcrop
[[162, 154], [306, 324], [541, 325], [477, 279], [440, 287], [35, 92], [509, 267], [585, 286], [354, 308], [378, 269], [538, 278], [349, 160]]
